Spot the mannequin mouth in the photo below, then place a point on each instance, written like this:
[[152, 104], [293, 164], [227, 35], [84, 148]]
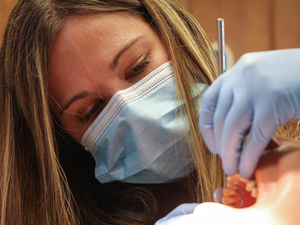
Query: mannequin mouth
[[277, 164], [246, 188], [276, 188]]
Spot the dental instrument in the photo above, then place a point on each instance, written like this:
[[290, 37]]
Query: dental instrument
[[218, 194]]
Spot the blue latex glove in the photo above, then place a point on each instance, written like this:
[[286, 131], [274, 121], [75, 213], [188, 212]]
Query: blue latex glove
[[178, 212], [261, 92]]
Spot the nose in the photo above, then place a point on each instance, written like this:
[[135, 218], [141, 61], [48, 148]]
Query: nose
[[116, 85]]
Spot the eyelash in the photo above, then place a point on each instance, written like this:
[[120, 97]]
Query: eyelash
[[139, 68], [135, 71], [89, 115]]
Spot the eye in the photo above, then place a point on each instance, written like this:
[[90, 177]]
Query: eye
[[95, 109], [142, 65]]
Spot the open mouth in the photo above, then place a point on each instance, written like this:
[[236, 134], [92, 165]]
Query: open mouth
[[246, 188]]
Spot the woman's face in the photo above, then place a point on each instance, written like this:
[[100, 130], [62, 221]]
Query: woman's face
[[95, 56]]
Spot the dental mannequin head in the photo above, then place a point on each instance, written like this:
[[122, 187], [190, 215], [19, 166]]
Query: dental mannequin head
[[277, 177]]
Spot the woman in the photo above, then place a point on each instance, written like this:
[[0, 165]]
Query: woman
[[48, 54]]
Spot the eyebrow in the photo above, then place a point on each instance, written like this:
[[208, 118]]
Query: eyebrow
[[73, 99], [113, 65], [115, 62]]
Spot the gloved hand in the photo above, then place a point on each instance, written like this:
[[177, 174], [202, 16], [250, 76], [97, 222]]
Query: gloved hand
[[178, 212], [259, 93], [201, 214]]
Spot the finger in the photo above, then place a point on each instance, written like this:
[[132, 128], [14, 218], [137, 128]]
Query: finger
[[182, 209], [178, 212], [236, 126], [224, 103], [207, 110], [262, 130]]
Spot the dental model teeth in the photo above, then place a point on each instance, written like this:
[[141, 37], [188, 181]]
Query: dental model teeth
[[254, 192], [251, 187], [245, 187]]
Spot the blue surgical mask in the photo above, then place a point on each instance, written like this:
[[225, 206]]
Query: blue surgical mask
[[140, 136]]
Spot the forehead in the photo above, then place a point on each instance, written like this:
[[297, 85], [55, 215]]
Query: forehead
[[103, 34], [108, 28], [88, 42]]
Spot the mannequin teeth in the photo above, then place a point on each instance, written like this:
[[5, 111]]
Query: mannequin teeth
[[250, 185], [236, 176], [254, 192], [228, 192], [233, 183], [239, 178], [228, 200], [232, 187], [245, 180]]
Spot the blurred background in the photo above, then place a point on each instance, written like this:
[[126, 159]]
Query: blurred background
[[250, 25]]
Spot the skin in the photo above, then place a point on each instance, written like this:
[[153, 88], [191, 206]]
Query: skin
[[278, 181], [83, 64]]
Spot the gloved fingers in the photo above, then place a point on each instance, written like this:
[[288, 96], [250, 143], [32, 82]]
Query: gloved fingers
[[176, 213], [225, 101], [207, 111], [168, 221], [260, 135], [206, 126], [235, 129]]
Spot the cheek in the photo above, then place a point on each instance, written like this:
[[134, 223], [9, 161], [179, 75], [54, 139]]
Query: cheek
[[267, 169], [289, 161], [266, 176]]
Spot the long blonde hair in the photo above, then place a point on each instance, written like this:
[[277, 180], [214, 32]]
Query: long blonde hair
[[34, 188]]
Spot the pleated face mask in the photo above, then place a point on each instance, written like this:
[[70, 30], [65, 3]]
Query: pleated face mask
[[140, 136]]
